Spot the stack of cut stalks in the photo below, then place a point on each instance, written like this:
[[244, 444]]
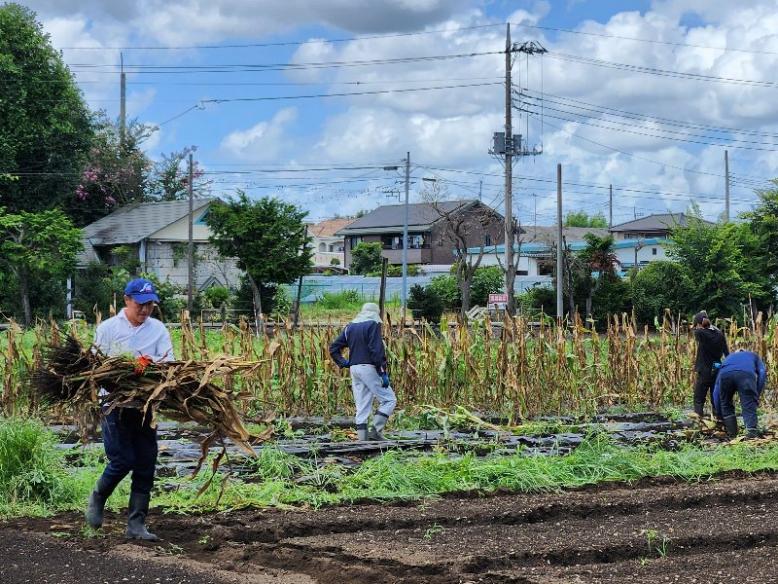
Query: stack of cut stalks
[[180, 390]]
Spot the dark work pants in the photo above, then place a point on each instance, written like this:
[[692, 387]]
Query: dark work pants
[[131, 447], [744, 384], [703, 388]]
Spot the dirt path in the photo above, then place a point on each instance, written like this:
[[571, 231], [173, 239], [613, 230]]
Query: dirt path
[[657, 531]]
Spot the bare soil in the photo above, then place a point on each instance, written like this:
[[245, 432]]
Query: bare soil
[[655, 531]]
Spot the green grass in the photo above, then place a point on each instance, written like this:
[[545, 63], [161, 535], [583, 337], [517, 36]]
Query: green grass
[[36, 480]]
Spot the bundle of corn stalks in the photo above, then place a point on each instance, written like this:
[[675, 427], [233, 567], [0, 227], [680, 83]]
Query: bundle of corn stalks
[[180, 390]]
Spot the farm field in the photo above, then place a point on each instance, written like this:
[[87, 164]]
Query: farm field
[[536, 455], [654, 531]]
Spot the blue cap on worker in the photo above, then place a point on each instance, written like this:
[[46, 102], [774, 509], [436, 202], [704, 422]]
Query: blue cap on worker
[[141, 291]]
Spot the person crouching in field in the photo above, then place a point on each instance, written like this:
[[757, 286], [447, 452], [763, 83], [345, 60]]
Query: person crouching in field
[[129, 440], [711, 349], [367, 363], [744, 373]]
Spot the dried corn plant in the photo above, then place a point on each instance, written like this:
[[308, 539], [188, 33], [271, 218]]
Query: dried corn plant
[[83, 379], [519, 369]]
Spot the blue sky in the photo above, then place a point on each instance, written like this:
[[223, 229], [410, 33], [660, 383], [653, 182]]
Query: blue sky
[[601, 119]]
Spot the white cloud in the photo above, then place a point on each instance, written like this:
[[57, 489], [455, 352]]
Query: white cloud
[[264, 141]]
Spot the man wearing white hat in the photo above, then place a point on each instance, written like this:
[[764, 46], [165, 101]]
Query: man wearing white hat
[[367, 363]]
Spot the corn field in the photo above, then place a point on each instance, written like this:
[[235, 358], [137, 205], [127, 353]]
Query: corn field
[[521, 371]]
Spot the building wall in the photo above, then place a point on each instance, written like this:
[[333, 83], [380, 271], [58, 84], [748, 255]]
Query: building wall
[[168, 261], [646, 254], [443, 244], [179, 230]]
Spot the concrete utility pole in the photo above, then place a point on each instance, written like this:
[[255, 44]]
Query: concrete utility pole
[[559, 244], [122, 102], [610, 206], [405, 234], [726, 186], [296, 318], [190, 246], [510, 271]]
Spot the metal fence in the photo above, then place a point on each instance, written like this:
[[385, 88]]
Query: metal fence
[[368, 287]]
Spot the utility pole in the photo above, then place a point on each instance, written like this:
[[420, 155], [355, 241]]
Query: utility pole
[[190, 247], [122, 102], [726, 186], [405, 234], [559, 244], [610, 206], [535, 213], [480, 189], [510, 272]]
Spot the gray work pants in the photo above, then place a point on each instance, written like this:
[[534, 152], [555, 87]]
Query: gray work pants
[[366, 385]]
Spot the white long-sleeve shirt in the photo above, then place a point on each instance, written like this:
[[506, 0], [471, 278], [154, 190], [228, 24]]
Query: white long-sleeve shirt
[[117, 336]]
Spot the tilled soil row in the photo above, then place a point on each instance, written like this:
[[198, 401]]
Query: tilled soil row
[[658, 530]]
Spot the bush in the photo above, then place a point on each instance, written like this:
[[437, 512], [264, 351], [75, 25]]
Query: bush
[[340, 300], [487, 280], [447, 289], [657, 286], [216, 296], [334, 262], [395, 271], [535, 300], [30, 469], [366, 258], [425, 303]]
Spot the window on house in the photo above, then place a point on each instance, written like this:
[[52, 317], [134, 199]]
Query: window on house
[[522, 273], [653, 251], [487, 239]]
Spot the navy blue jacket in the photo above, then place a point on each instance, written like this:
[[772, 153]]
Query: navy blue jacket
[[365, 346], [741, 361]]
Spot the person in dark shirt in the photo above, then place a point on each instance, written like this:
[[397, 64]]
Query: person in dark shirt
[[744, 373], [711, 349], [367, 363]]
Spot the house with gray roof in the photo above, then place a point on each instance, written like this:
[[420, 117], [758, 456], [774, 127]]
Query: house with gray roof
[[656, 226], [158, 234], [429, 230]]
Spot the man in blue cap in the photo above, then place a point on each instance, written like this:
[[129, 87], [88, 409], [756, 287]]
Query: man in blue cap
[[129, 440], [744, 373]]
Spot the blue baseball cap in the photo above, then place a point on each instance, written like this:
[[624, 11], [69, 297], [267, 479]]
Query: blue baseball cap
[[141, 291]]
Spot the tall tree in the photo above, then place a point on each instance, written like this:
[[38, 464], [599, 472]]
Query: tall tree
[[583, 219], [266, 237], [171, 177], [598, 256], [712, 256], [45, 127], [117, 172], [37, 246]]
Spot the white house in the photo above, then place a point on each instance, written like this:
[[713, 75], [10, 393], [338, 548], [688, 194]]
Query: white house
[[326, 245], [157, 234]]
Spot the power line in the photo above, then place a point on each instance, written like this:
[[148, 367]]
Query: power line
[[660, 72], [257, 67]]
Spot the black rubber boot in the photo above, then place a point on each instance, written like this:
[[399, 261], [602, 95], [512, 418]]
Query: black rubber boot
[[730, 423], [362, 432], [96, 506], [754, 433], [376, 430], [699, 409], [136, 519]]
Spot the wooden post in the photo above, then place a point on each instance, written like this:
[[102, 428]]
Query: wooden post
[[382, 290]]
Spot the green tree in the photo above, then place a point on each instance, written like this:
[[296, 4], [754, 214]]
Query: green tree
[[425, 303], [366, 258], [759, 240], [712, 258], [45, 127], [447, 288], [171, 177], [486, 280], [266, 236], [583, 219], [117, 172], [37, 246], [598, 256], [658, 286]]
